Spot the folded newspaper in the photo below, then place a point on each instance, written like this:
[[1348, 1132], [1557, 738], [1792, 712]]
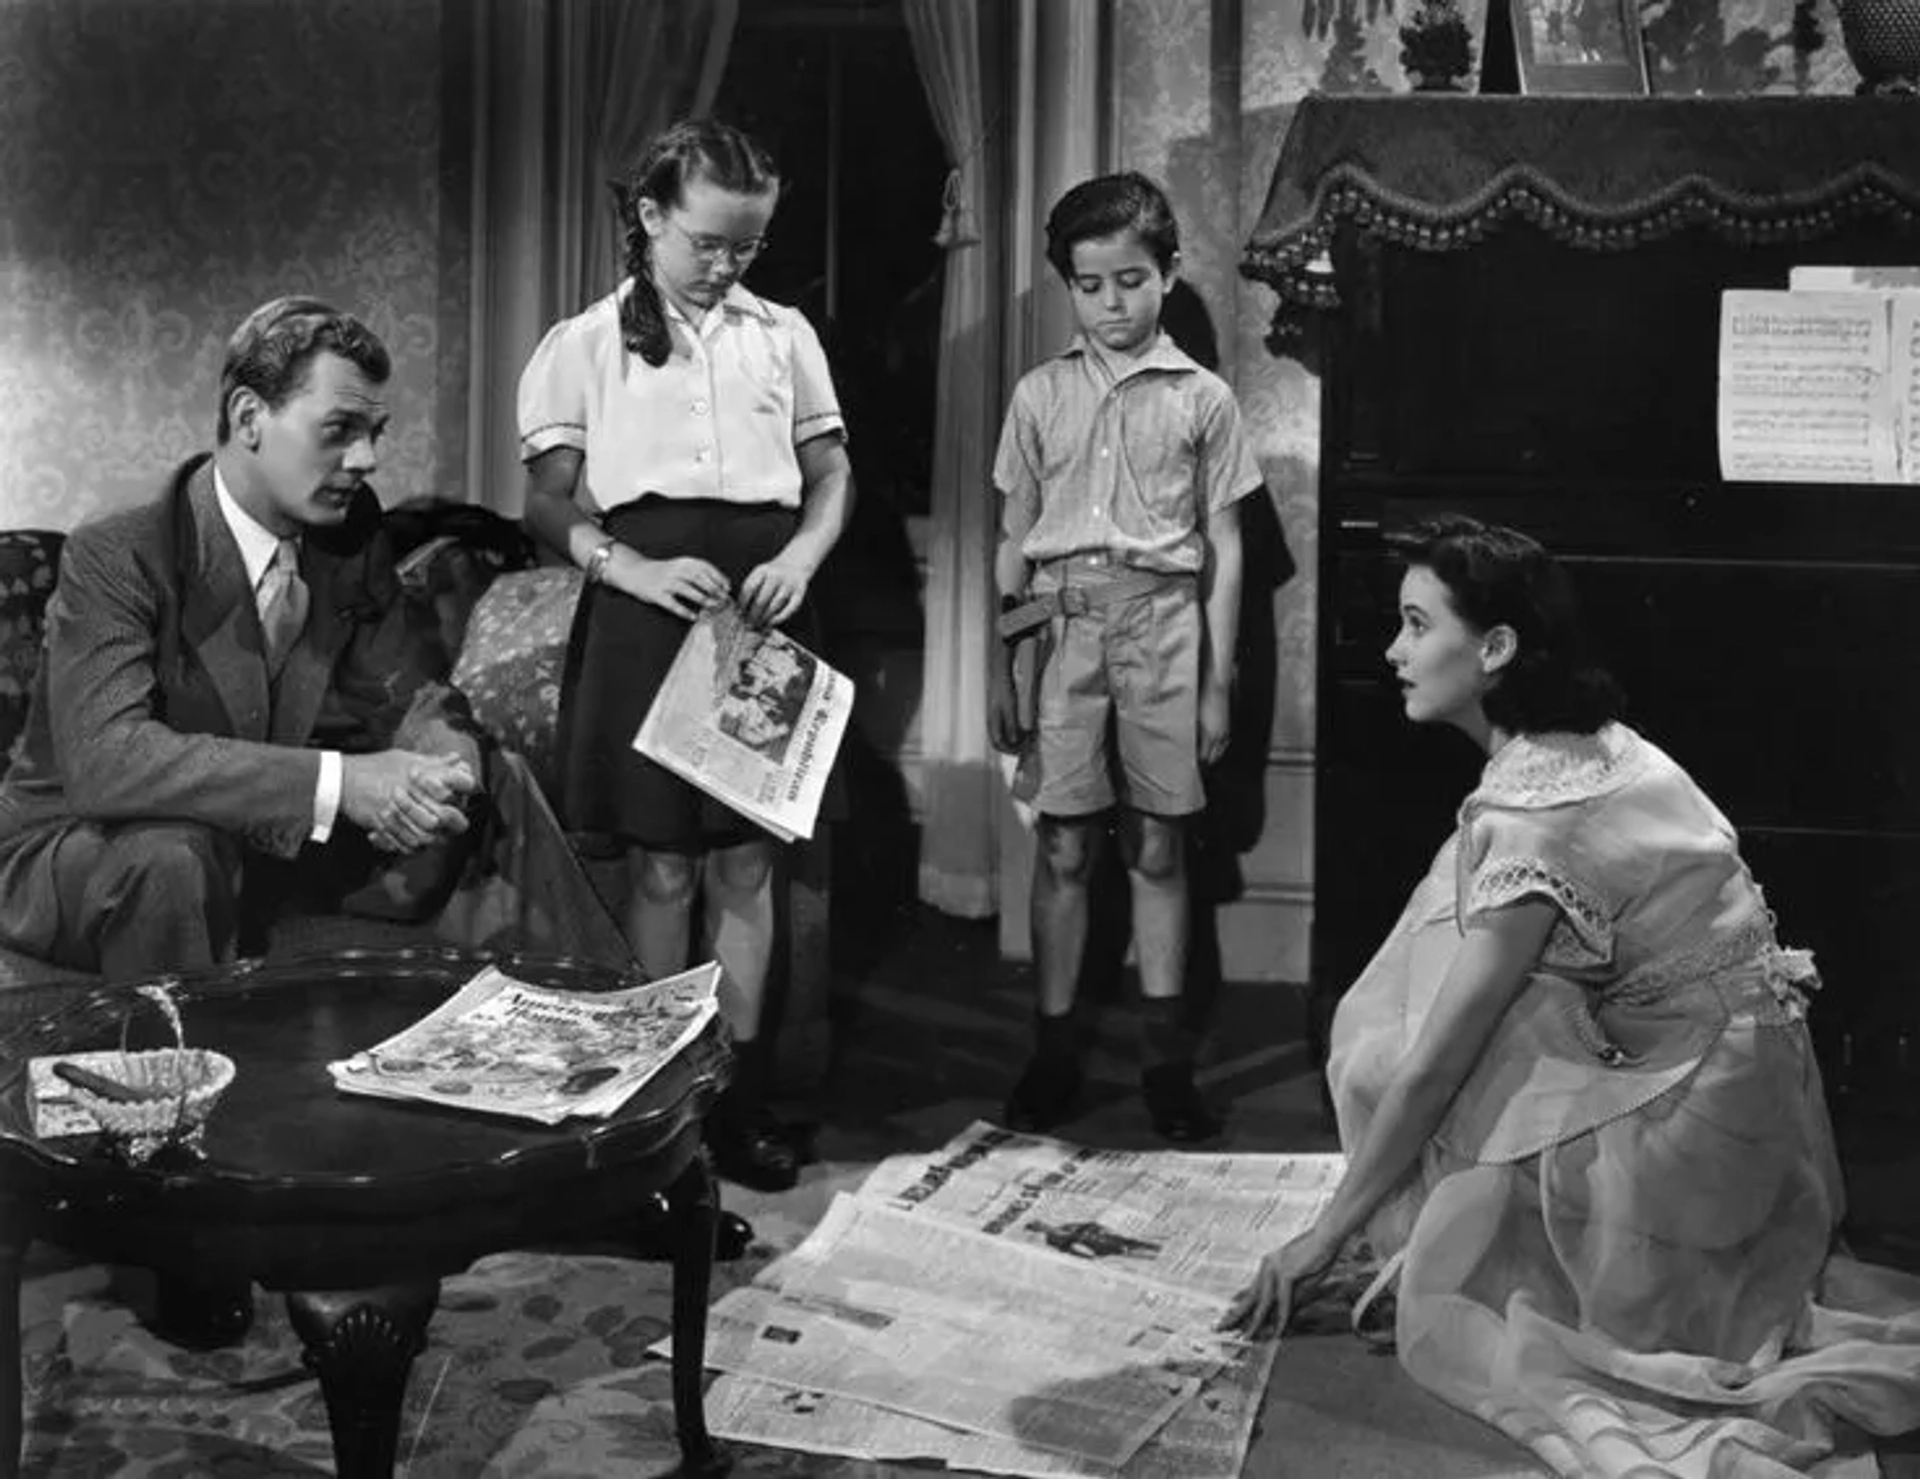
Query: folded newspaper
[[752, 718], [503, 1046]]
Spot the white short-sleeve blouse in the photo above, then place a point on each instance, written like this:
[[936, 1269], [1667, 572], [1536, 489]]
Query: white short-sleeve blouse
[[721, 419]]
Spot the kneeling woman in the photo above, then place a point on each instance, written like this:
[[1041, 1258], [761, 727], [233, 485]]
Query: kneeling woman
[[1583, 1120]]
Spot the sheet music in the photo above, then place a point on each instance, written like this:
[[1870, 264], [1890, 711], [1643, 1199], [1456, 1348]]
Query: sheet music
[[1821, 279], [1805, 392], [1905, 377]]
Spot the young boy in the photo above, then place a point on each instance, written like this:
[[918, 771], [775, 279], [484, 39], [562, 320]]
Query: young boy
[[1120, 468]]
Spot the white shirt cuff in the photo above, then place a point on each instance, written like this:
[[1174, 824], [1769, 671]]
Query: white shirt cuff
[[326, 796]]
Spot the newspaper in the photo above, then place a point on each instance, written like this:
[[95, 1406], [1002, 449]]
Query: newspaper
[[56, 1110], [1206, 1439], [1027, 1286], [502, 1046], [868, 1254], [1055, 1398], [750, 717], [1200, 1221], [941, 1323]]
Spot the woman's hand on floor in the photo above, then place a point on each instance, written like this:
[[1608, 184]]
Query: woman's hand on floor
[[1268, 1302]]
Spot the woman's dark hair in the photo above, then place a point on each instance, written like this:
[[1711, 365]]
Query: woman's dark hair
[[273, 350], [1106, 206], [696, 149], [1501, 577]]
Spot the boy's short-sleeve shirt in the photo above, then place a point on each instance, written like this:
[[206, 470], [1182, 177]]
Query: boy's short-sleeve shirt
[[722, 418], [1129, 467]]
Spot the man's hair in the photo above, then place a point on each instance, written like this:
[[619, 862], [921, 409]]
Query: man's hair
[[1106, 206], [273, 350], [1500, 577]]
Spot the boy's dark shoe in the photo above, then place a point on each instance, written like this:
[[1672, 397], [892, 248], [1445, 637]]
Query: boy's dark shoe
[[202, 1314], [750, 1147], [1178, 1112], [1049, 1086], [1046, 1094], [749, 1150]]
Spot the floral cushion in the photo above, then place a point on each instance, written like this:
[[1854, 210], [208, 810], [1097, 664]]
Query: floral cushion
[[29, 560], [511, 661]]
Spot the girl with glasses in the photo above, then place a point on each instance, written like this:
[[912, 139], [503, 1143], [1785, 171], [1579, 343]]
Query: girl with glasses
[[685, 447]]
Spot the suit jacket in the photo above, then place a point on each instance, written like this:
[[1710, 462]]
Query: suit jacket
[[152, 699]]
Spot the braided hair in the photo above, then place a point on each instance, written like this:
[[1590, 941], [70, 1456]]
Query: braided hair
[[695, 149]]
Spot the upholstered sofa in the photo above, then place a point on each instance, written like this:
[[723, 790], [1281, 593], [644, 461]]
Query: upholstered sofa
[[503, 619]]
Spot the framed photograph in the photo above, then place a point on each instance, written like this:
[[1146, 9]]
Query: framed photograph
[[1564, 47]]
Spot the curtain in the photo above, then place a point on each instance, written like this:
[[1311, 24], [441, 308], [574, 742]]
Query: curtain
[[962, 788], [1059, 126], [566, 92], [653, 63]]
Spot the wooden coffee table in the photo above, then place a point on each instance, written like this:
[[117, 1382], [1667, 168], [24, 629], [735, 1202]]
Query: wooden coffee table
[[354, 1208]]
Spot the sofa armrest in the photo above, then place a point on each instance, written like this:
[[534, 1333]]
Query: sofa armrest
[[512, 660]]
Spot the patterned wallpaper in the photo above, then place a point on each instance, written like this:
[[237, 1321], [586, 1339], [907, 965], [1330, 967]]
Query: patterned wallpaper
[[166, 165]]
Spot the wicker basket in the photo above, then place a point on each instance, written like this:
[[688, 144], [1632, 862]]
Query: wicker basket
[[179, 1087]]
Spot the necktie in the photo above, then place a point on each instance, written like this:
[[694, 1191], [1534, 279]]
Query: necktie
[[283, 603]]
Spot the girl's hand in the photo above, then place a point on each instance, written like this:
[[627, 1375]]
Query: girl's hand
[[1266, 1304], [772, 592], [687, 587], [1216, 721]]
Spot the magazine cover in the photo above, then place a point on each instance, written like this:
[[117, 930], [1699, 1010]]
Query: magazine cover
[[55, 1109], [502, 1046], [750, 717]]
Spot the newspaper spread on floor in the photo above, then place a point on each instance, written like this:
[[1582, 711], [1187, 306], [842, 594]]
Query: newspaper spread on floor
[[1015, 1304], [504, 1046], [750, 717], [1206, 1439], [1200, 1221]]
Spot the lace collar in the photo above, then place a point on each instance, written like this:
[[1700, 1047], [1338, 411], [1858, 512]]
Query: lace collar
[[1532, 771]]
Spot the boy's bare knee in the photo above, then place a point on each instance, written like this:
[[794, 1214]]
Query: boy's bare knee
[[666, 878], [1156, 848], [1067, 849]]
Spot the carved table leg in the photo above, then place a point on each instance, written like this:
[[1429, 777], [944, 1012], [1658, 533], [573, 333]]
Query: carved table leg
[[362, 1345], [16, 1233], [694, 1212]]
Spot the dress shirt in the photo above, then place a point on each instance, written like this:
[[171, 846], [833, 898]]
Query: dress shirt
[[1125, 458], [257, 545]]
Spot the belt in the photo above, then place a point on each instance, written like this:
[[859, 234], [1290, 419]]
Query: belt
[[1079, 599]]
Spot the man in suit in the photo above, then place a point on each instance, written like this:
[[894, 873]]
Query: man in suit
[[232, 688], [235, 701]]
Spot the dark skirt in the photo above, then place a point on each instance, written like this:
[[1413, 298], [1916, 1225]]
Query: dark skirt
[[617, 658]]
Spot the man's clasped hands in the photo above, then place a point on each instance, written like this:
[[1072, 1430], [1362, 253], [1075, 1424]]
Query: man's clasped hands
[[405, 799]]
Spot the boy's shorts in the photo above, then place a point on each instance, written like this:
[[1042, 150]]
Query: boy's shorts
[[1117, 702]]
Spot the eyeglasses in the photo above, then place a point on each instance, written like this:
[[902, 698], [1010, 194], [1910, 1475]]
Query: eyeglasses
[[710, 249]]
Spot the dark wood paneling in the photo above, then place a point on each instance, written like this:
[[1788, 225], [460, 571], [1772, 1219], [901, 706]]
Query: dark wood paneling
[[1765, 634]]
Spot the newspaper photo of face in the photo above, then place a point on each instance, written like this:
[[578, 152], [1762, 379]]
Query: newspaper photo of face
[[762, 705]]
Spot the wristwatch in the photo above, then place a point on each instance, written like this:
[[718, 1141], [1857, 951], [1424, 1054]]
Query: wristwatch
[[596, 566]]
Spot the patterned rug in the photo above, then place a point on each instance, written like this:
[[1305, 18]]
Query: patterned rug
[[536, 1364], [536, 1369]]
